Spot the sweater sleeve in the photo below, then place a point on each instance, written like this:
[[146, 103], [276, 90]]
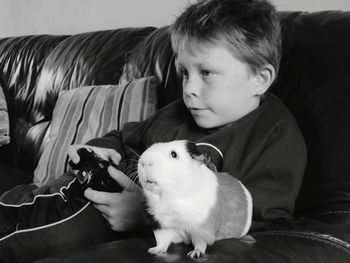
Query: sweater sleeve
[[275, 178], [111, 140], [131, 135]]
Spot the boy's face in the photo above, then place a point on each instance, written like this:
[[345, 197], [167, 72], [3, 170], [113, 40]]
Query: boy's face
[[217, 88]]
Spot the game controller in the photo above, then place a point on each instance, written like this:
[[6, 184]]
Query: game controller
[[93, 172]]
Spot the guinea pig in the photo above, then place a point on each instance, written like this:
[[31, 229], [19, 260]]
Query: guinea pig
[[190, 202]]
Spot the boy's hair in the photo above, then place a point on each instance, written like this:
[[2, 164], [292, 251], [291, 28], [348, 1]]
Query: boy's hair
[[250, 27]]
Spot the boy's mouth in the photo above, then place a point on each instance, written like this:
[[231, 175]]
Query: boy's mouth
[[196, 110]]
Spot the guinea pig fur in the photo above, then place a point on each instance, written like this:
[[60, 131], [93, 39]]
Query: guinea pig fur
[[190, 202]]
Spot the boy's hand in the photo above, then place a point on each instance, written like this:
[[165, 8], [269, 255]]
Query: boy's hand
[[122, 210], [105, 153]]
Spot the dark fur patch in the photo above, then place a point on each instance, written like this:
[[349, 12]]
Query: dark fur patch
[[202, 157], [192, 149]]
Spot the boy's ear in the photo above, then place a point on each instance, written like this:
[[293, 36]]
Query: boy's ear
[[264, 78]]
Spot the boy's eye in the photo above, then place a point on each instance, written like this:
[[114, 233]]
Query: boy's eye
[[205, 73], [183, 73]]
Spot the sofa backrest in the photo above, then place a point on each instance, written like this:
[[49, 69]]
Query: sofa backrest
[[313, 81]]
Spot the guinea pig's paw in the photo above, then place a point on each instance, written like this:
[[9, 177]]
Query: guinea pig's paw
[[248, 239], [195, 253], [158, 250]]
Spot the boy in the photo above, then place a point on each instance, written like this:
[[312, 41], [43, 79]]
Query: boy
[[227, 53]]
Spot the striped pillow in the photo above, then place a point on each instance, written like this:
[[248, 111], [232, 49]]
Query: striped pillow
[[4, 120], [88, 112]]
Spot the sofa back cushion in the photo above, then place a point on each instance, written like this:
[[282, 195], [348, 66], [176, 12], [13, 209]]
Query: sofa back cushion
[[4, 120], [314, 82], [153, 56], [89, 112], [21, 61]]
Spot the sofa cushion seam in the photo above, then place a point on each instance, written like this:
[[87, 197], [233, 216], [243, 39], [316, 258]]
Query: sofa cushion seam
[[323, 238]]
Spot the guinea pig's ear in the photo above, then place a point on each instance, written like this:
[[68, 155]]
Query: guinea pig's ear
[[199, 156], [192, 149]]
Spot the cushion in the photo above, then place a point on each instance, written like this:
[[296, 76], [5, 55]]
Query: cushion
[[4, 120], [88, 112], [314, 84]]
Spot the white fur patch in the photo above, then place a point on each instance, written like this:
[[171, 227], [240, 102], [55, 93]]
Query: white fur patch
[[185, 212]]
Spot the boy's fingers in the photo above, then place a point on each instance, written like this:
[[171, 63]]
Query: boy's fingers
[[122, 179], [98, 197], [104, 209], [114, 156], [73, 151], [107, 154]]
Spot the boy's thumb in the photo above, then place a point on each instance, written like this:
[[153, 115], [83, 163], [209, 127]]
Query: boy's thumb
[[122, 179]]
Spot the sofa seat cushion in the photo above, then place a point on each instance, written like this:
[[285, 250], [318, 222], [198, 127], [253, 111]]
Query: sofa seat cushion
[[88, 112], [302, 241]]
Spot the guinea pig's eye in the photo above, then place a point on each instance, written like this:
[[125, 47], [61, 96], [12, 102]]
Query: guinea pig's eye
[[173, 154]]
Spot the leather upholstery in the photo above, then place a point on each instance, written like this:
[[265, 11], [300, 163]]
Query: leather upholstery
[[21, 61], [34, 69], [154, 56], [313, 82]]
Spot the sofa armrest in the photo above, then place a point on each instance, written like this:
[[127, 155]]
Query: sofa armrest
[[11, 176]]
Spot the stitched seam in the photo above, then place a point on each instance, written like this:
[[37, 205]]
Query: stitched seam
[[335, 212], [326, 239], [31, 202]]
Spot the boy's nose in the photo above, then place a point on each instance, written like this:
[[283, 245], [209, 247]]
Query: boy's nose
[[191, 88]]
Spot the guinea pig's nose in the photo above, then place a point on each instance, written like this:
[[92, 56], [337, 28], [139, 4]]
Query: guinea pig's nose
[[145, 163]]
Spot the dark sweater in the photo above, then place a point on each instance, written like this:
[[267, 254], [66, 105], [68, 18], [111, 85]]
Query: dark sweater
[[264, 149]]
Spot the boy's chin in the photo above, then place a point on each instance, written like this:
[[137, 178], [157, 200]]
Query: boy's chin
[[205, 124]]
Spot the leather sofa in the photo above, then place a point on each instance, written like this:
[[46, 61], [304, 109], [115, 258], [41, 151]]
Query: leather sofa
[[314, 82]]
